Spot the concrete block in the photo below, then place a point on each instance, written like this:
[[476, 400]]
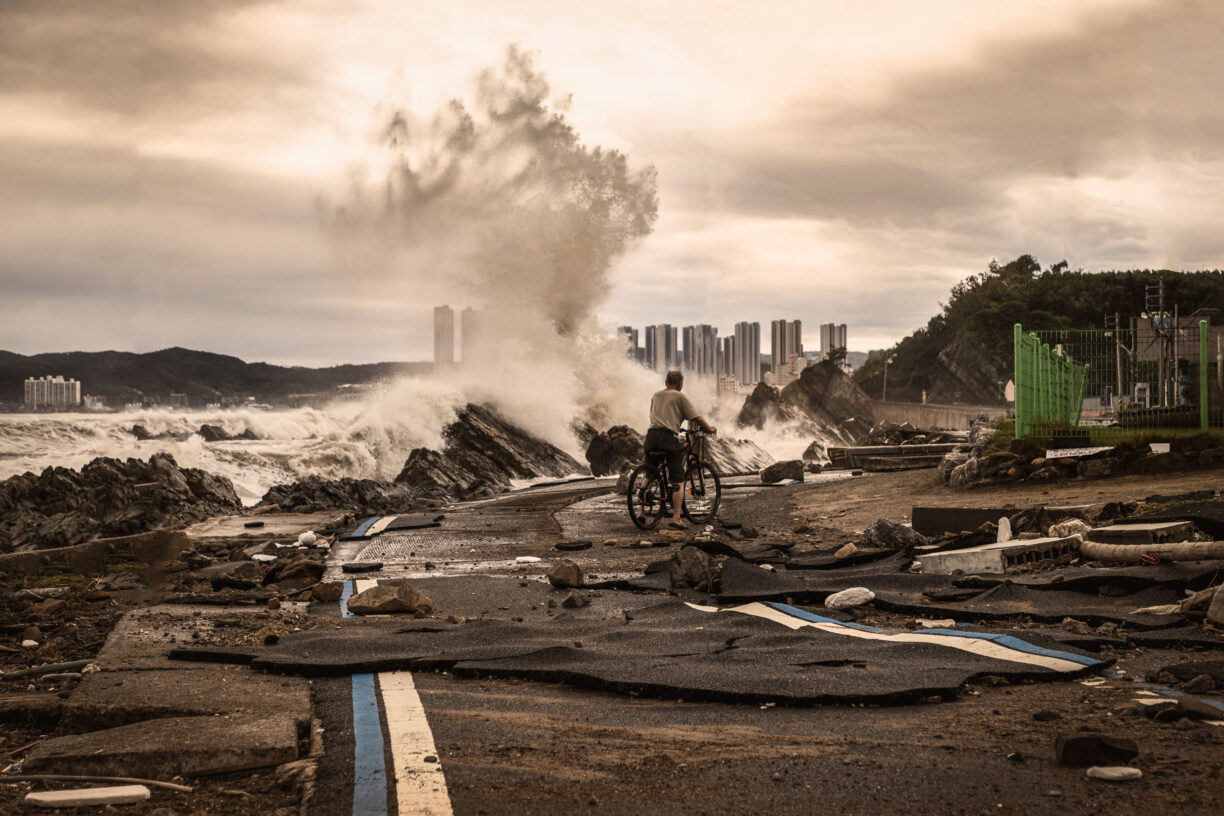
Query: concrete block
[[172, 746], [998, 558], [1143, 533], [89, 797]]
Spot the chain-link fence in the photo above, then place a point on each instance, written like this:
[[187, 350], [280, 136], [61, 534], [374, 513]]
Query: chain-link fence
[[1160, 374]]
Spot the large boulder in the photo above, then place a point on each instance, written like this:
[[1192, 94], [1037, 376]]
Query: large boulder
[[789, 470], [483, 454], [694, 568], [389, 598], [826, 394], [364, 496]]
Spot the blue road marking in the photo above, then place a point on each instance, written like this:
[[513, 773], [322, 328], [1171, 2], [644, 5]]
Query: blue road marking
[[369, 768], [365, 525], [1175, 693]]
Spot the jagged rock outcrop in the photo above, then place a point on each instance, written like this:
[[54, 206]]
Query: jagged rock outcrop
[[108, 497], [762, 406], [826, 394], [482, 454], [789, 470], [365, 496], [215, 433], [614, 450]]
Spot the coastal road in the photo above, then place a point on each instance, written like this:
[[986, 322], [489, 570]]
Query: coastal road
[[433, 743]]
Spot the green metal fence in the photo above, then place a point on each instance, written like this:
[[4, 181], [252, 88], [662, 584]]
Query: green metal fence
[[1158, 374]]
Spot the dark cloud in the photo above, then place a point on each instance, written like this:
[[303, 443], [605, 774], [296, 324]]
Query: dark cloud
[[1121, 90], [140, 57]]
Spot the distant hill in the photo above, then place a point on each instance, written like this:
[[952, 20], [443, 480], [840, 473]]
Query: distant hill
[[964, 353], [204, 377]]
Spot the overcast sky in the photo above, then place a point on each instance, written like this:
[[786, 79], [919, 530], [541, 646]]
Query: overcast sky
[[162, 162]]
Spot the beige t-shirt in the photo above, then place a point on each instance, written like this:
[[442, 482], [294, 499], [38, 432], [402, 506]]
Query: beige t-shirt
[[668, 408]]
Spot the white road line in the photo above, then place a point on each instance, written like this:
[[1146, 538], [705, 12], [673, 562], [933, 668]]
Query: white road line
[[380, 525], [420, 786], [984, 648]]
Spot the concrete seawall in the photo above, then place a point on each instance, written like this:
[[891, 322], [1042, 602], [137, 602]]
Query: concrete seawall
[[928, 415]]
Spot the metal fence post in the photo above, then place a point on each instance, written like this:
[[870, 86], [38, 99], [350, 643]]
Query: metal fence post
[[1203, 374]]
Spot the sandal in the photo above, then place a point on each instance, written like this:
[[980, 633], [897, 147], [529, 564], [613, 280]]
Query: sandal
[[673, 525]]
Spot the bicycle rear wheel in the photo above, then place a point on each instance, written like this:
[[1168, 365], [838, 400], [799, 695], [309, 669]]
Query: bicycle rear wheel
[[702, 493], [645, 497]]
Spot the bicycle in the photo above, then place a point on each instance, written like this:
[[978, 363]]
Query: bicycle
[[649, 494]]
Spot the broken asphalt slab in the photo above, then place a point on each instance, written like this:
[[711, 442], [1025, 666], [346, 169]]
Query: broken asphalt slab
[[675, 649], [164, 748]]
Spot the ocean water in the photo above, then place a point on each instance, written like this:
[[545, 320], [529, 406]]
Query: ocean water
[[368, 439]]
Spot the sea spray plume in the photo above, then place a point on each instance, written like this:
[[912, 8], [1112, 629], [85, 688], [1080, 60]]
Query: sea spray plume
[[506, 198], [502, 206]]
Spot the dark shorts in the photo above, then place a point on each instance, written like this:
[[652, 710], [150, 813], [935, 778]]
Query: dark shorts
[[661, 439]]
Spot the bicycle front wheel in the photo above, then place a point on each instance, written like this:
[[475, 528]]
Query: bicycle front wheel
[[702, 493], [645, 497]]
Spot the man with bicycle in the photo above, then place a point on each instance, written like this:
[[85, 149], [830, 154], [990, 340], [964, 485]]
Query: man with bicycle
[[668, 408]]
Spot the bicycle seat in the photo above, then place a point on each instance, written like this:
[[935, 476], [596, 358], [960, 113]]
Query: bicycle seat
[[656, 456]]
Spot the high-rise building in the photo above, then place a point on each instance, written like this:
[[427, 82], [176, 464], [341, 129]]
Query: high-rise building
[[786, 338], [661, 347], [469, 326], [832, 336], [747, 362], [627, 336], [52, 392], [444, 338], [700, 350]]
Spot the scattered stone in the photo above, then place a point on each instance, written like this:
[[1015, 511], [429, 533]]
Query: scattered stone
[[253, 524], [327, 591], [575, 600], [564, 574], [672, 536], [691, 567], [32, 633], [89, 797], [527, 559], [1094, 749], [389, 598], [1046, 715], [572, 546], [888, 535], [307, 539], [1200, 684], [854, 596], [789, 470], [29, 645], [846, 551], [1114, 773]]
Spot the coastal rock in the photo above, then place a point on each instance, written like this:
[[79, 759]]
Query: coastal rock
[[826, 394], [366, 496], [763, 405], [483, 453], [108, 497], [734, 457], [613, 451]]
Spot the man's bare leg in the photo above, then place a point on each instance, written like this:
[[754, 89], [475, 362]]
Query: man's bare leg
[[677, 501]]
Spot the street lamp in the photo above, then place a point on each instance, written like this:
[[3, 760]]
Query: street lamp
[[884, 394]]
